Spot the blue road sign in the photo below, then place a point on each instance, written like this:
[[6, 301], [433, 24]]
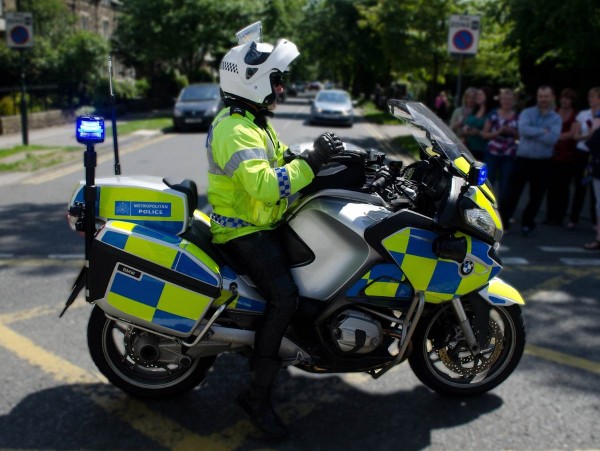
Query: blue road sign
[[463, 39], [19, 35]]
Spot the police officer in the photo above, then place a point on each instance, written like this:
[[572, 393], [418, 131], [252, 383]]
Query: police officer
[[249, 184]]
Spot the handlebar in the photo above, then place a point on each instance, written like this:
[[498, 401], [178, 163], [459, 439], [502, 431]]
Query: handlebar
[[378, 184]]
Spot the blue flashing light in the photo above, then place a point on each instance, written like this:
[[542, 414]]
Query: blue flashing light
[[90, 129], [483, 172]]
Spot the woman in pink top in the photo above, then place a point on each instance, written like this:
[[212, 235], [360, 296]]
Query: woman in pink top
[[501, 129]]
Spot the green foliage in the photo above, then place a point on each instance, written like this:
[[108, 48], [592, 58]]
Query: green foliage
[[557, 41], [356, 43], [161, 34], [33, 157], [7, 106], [60, 56], [83, 58]]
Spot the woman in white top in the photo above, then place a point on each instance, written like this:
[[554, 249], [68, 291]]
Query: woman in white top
[[581, 133]]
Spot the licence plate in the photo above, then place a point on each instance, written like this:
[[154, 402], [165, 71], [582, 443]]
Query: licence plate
[[194, 121]]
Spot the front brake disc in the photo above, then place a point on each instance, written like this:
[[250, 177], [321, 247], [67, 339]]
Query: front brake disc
[[476, 363]]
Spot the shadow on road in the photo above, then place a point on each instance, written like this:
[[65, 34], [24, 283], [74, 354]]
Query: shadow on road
[[37, 230], [324, 413]]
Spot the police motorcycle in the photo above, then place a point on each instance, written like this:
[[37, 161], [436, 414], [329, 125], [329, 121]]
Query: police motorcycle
[[389, 269]]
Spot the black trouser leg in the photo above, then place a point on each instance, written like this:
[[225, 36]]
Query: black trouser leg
[[581, 160], [538, 178], [557, 196], [518, 180], [264, 257]]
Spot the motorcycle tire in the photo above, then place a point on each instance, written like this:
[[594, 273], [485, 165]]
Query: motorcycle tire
[[106, 342], [448, 370]]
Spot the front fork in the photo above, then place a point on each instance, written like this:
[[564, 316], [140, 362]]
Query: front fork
[[481, 320]]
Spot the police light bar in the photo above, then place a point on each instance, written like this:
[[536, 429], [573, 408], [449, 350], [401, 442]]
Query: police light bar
[[90, 129], [478, 173]]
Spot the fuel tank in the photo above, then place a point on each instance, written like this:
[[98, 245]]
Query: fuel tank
[[332, 224]]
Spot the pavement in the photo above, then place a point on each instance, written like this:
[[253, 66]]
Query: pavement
[[63, 136]]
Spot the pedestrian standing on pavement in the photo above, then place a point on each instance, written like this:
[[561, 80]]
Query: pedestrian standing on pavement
[[581, 133], [502, 130], [473, 128], [459, 115], [539, 129], [563, 164], [594, 171], [441, 106]]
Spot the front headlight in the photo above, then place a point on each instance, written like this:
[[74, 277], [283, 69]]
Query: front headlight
[[177, 112], [480, 219]]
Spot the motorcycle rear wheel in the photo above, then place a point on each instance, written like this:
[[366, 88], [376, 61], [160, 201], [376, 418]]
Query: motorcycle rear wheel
[[106, 342], [450, 369]]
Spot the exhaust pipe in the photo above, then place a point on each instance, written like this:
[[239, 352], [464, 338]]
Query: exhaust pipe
[[289, 351]]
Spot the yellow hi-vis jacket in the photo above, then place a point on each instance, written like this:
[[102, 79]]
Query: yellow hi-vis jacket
[[248, 182]]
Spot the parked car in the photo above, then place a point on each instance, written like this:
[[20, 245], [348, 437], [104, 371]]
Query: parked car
[[332, 105], [296, 88], [315, 86], [196, 106]]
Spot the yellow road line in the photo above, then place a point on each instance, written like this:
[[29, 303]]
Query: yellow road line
[[35, 312], [563, 359], [48, 176], [164, 431]]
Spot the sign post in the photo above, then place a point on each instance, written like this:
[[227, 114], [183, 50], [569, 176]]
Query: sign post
[[463, 40], [19, 35]]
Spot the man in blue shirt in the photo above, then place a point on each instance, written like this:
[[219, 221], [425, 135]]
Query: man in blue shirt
[[539, 129]]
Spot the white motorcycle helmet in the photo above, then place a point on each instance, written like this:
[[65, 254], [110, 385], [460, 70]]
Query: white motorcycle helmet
[[246, 71]]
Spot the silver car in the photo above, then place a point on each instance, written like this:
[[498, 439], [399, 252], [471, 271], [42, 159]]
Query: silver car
[[196, 106], [332, 106]]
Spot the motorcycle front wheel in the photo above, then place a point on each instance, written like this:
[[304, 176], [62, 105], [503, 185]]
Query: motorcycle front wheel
[[442, 360], [141, 363]]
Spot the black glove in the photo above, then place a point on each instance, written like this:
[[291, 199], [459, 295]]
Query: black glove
[[288, 156], [383, 177], [327, 145]]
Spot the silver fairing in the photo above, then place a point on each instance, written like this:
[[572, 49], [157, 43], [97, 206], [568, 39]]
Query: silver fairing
[[332, 223]]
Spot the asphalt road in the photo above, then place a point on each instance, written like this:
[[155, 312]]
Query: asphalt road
[[52, 397]]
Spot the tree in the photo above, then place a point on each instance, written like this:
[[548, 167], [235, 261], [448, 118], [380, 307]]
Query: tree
[[82, 65], [72, 60], [338, 48], [557, 41]]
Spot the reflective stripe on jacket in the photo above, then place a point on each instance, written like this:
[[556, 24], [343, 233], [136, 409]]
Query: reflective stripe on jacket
[[248, 183]]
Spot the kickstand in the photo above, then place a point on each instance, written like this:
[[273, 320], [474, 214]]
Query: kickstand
[[77, 286]]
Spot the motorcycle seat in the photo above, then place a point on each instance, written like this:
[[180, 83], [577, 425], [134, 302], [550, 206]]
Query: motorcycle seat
[[187, 187], [199, 234]]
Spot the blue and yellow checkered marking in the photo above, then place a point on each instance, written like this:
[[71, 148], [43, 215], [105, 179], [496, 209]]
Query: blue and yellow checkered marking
[[162, 249], [241, 302], [383, 280], [440, 280], [156, 301]]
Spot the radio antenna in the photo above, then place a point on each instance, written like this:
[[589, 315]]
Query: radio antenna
[[114, 117]]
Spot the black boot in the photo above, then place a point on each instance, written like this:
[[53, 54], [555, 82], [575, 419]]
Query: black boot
[[256, 401]]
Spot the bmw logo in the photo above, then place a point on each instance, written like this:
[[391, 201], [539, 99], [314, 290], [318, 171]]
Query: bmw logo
[[467, 267]]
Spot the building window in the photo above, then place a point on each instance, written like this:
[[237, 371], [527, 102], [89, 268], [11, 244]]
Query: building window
[[85, 22], [105, 28]]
